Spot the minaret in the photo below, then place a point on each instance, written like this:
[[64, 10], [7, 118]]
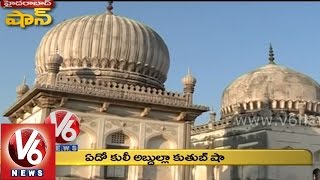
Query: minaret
[[53, 66], [212, 115], [22, 89], [189, 83]]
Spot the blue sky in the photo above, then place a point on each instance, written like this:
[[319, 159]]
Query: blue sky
[[219, 41]]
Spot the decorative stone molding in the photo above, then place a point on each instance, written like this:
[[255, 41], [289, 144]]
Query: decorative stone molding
[[41, 95], [28, 108], [237, 108], [87, 119], [47, 102], [112, 64], [305, 120], [93, 124], [115, 70], [208, 138], [19, 114], [150, 128], [33, 102], [104, 107], [182, 116], [108, 126], [145, 112], [124, 92], [200, 129], [302, 108], [122, 123], [63, 101], [163, 128], [287, 105]]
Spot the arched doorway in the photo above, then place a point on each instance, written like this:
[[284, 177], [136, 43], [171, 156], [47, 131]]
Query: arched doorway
[[159, 172], [117, 140], [316, 174]]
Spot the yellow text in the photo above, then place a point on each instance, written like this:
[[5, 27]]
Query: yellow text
[[18, 18]]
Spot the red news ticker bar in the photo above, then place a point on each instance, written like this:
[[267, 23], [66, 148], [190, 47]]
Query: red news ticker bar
[[27, 3]]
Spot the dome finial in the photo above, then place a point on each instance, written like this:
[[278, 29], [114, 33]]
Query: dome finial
[[271, 55], [23, 88], [24, 80], [110, 7], [189, 79]]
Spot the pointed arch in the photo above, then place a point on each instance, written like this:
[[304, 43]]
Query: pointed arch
[[85, 140], [131, 135], [90, 132], [159, 141], [119, 139], [164, 136]]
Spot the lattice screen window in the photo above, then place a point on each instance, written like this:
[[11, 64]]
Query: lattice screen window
[[118, 138]]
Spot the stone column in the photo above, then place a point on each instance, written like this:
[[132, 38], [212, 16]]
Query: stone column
[[141, 145], [187, 169], [100, 143], [210, 172]]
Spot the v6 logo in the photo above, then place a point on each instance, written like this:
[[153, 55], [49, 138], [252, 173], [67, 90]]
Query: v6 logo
[[27, 147], [67, 125]]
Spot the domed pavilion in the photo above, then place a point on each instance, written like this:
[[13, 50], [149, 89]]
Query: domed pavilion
[[271, 107]]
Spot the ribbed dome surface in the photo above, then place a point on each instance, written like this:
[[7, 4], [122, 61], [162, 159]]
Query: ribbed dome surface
[[112, 47], [277, 82]]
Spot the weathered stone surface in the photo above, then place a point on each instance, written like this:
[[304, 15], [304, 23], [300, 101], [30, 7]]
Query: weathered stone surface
[[283, 86]]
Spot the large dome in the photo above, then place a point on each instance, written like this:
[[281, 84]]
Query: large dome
[[106, 47], [283, 87]]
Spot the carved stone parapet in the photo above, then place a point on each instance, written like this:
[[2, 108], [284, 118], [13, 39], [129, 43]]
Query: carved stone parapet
[[275, 104], [302, 108], [121, 91]]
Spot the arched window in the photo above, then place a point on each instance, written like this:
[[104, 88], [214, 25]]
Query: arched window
[[117, 140]]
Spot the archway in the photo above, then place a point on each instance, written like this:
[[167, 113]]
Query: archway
[[117, 140], [159, 172], [84, 141]]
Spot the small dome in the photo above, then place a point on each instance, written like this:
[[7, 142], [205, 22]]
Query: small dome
[[274, 81], [23, 88], [106, 47], [189, 79], [56, 58]]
